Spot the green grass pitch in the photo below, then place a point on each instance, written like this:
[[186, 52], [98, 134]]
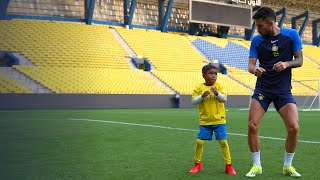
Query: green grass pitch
[[135, 144]]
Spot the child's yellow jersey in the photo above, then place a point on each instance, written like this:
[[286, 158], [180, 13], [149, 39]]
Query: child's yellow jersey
[[211, 110]]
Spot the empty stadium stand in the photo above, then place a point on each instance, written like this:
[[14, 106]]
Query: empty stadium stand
[[166, 51], [94, 80], [231, 54], [9, 85], [50, 43], [185, 82], [313, 52], [76, 58], [309, 71], [177, 63]]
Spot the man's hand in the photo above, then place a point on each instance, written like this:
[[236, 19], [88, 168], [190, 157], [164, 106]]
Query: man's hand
[[258, 71], [280, 66], [205, 94], [214, 90]]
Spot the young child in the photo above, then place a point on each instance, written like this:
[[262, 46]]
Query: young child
[[210, 99]]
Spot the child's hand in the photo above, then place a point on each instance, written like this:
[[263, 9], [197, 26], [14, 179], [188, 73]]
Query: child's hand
[[214, 90], [205, 94]]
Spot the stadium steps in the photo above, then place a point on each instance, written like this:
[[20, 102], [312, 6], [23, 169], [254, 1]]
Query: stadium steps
[[9, 85], [63, 44], [198, 50], [125, 46], [123, 42], [133, 54], [305, 86], [226, 52], [166, 51], [94, 80], [23, 60], [24, 80], [311, 60], [161, 82]]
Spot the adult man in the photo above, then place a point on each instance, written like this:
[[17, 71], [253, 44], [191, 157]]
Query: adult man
[[274, 47]]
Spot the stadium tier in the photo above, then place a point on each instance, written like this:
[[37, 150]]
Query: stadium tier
[[242, 76], [309, 71], [241, 42], [51, 43], [185, 82], [166, 51], [77, 58], [226, 52], [220, 42], [312, 52], [94, 80], [9, 85]]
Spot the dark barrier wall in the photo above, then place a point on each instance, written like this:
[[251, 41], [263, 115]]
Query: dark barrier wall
[[99, 101], [83, 101]]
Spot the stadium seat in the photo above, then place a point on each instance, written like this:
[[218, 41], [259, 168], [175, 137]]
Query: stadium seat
[[9, 85], [312, 52], [69, 44], [90, 80], [166, 51], [185, 82]]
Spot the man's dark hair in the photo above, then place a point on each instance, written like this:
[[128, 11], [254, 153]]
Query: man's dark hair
[[265, 13], [207, 67]]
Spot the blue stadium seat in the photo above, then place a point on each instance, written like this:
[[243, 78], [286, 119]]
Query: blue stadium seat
[[232, 54]]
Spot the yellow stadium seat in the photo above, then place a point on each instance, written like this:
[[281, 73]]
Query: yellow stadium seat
[[9, 85]]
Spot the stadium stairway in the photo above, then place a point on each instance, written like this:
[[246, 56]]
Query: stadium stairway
[[123, 43], [24, 80], [133, 54], [22, 59], [76, 58], [104, 49], [177, 61], [232, 54], [165, 85], [200, 52], [166, 51], [9, 85]]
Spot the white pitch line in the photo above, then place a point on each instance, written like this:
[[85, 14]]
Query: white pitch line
[[181, 129]]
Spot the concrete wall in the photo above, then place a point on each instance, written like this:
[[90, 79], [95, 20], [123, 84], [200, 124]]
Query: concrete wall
[[83, 101], [99, 101]]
